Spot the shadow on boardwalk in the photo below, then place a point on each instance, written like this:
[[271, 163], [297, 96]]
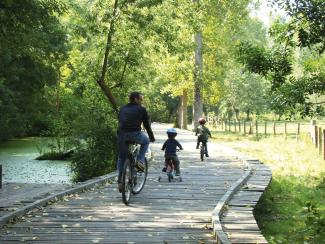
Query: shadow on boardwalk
[[163, 212]]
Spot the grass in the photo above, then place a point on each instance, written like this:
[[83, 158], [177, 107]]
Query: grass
[[292, 210]]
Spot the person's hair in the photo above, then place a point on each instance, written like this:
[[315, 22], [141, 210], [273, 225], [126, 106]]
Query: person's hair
[[134, 95]]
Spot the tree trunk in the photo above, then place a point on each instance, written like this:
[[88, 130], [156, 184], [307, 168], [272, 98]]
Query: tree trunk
[[179, 114], [198, 79], [101, 81], [184, 110], [247, 115]]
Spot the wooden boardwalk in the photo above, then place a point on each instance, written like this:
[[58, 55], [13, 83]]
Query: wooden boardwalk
[[164, 212], [238, 221]]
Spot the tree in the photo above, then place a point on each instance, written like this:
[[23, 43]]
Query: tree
[[307, 22], [32, 49]]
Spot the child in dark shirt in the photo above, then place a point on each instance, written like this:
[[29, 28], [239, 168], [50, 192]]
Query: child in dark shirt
[[203, 134], [170, 147]]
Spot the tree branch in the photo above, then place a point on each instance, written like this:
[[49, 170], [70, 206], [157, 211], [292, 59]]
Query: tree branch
[[101, 81]]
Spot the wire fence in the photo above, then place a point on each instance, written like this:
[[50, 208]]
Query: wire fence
[[314, 129]]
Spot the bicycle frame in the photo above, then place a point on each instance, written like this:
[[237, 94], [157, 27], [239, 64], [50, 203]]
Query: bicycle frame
[[132, 180]]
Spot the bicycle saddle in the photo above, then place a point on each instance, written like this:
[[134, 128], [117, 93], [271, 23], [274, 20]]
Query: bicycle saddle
[[130, 142]]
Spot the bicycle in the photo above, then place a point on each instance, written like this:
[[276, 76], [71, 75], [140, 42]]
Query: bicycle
[[133, 180], [203, 145], [171, 170]]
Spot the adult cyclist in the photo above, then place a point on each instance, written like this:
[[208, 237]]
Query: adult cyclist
[[130, 118]]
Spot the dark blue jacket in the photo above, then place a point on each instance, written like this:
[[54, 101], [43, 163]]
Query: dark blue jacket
[[130, 118], [170, 147]]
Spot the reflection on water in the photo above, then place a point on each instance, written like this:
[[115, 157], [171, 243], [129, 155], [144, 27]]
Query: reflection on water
[[18, 164]]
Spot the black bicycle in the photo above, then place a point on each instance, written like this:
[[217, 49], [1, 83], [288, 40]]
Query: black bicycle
[[133, 180], [203, 150]]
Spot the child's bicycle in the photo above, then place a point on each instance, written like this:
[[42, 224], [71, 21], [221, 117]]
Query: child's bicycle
[[171, 171], [203, 145], [132, 180]]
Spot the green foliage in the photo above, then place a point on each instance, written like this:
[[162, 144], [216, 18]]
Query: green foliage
[[254, 57], [245, 92], [92, 137], [97, 154], [32, 45], [308, 18]]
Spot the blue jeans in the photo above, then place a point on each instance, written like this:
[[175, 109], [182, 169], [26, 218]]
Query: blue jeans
[[136, 136]]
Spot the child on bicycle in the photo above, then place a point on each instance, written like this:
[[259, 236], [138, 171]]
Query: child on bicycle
[[170, 147], [203, 134]]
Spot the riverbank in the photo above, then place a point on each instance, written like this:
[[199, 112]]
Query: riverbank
[[17, 157]]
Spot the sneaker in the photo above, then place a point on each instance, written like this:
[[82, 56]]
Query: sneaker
[[139, 166], [177, 174], [164, 169], [197, 147], [207, 155], [119, 187]]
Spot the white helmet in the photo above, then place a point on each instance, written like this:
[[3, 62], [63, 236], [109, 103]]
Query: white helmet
[[171, 131]]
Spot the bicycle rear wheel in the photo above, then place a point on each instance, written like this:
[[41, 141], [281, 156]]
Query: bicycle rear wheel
[[126, 182], [202, 151], [140, 178]]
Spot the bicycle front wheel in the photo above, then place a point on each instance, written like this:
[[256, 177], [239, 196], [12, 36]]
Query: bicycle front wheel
[[140, 178], [126, 182]]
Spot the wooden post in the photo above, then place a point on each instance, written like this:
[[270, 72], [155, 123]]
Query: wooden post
[[245, 127], [256, 127], [239, 126], [320, 140], [298, 131], [324, 144], [316, 136], [265, 128], [235, 125], [0, 176], [274, 131], [229, 126], [285, 129], [312, 130]]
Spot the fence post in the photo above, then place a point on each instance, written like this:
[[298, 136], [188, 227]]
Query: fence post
[[229, 125], [274, 131], [312, 130], [256, 127], [324, 144], [265, 128], [320, 140], [285, 129], [298, 131], [316, 136]]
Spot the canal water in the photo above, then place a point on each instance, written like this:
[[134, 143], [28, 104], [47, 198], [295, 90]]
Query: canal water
[[17, 157]]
